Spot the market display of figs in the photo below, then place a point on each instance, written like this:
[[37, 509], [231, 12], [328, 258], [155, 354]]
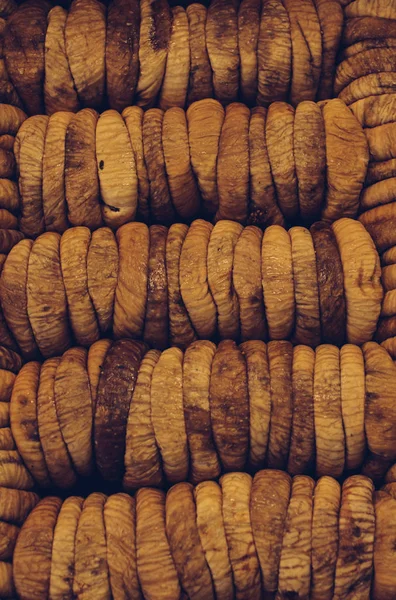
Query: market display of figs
[[197, 300]]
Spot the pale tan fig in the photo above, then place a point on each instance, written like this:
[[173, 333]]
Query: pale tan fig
[[326, 507], [46, 297], [280, 359], [193, 277], [63, 549], [24, 422], [133, 117], [302, 442], [373, 84], [329, 432], [220, 261], [181, 331], [131, 290], [91, 572], [15, 505], [85, 36], [116, 170], [374, 110], [369, 8], [210, 523], [122, 52], [222, 46], [233, 164], [156, 322], [274, 53], [354, 568], [74, 408], [197, 365], [59, 86], [249, 15], [363, 290], [74, 247], [246, 280], [102, 272], [205, 121], [55, 450], [154, 39], [156, 569], [229, 405], [200, 83], [120, 526], [177, 70], [183, 534], [353, 399], [142, 458], [33, 551], [278, 282], [168, 416]]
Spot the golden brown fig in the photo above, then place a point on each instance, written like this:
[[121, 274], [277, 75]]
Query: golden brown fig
[[10, 360], [63, 549], [331, 20], [91, 574], [363, 290], [85, 35], [30, 139], [6, 439], [274, 53], [249, 15], [122, 52], [81, 176], [375, 60], [131, 291], [161, 207], [229, 405], [33, 551], [353, 399], [329, 432], [185, 544], [73, 255], [346, 161], [8, 220], [246, 279], [366, 45], [8, 239], [59, 89], [102, 273], [302, 442], [380, 224], [24, 422], [7, 164], [197, 366], [236, 488], [370, 85], [354, 568], [193, 276], [53, 188], [154, 38], [142, 458], [9, 535], [167, 414], [369, 8], [7, 587], [96, 357], [74, 408], [181, 331], [200, 84], [175, 82], [279, 131], [295, 559], [9, 195], [162, 582], [13, 473], [220, 259], [15, 505], [327, 498], [156, 323], [4, 414], [362, 28], [11, 119], [24, 53], [7, 142], [222, 46], [379, 171], [116, 169], [374, 110], [210, 522], [205, 122], [182, 183], [133, 117], [384, 545], [278, 283], [46, 297], [120, 526]]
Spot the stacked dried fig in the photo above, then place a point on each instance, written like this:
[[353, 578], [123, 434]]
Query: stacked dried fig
[[141, 417], [203, 281], [271, 536], [149, 53], [256, 166]]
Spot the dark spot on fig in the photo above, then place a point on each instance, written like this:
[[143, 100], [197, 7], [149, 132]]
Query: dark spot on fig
[[101, 165], [356, 531]]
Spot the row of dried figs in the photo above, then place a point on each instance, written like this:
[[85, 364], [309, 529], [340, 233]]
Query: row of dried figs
[[256, 166], [141, 417], [203, 281], [270, 536], [149, 53]]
